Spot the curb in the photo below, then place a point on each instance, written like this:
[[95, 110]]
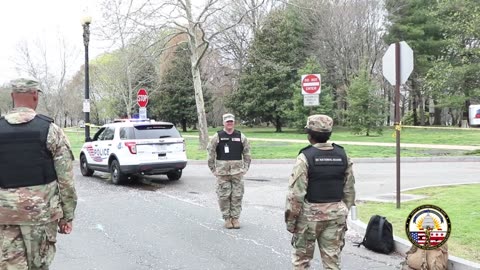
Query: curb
[[402, 246]]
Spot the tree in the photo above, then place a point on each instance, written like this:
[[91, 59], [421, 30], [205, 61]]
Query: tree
[[131, 64], [175, 101], [35, 60], [365, 112], [5, 100], [170, 14], [278, 50], [299, 113], [229, 51], [344, 35], [455, 76], [416, 22]]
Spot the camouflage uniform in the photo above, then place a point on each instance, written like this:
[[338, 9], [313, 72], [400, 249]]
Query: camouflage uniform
[[322, 222], [29, 216], [229, 175]]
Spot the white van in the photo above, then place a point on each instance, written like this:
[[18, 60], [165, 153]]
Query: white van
[[474, 115]]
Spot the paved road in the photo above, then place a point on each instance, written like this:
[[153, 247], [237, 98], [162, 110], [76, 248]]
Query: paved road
[[176, 225]]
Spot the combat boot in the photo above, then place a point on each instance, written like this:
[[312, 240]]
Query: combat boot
[[228, 223], [235, 223]]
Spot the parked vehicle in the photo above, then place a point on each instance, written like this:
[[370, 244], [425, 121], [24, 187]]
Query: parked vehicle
[[129, 148], [474, 115]]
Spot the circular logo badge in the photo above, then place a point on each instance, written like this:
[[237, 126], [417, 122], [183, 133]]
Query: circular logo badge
[[428, 227]]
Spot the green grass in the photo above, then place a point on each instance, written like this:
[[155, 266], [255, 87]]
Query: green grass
[[461, 204], [283, 150], [408, 135]]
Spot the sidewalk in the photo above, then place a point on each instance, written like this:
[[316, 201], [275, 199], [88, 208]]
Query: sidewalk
[[408, 145]]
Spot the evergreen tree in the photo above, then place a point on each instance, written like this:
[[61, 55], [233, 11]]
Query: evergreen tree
[[175, 100], [365, 113], [455, 77], [299, 113], [415, 22], [265, 93]]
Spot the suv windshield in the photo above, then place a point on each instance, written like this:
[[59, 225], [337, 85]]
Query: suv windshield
[[153, 131]]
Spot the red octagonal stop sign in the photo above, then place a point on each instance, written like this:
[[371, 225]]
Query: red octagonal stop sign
[[142, 97], [311, 84]]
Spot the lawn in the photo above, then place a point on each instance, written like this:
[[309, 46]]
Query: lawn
[[284, 150], [408, 135], [461, 204]]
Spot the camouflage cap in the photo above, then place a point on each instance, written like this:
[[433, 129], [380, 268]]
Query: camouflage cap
[[228, 117], [23, 85], [319, 123]]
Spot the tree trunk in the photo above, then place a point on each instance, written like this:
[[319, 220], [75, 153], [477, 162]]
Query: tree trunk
[[465, 111], [422, 111], [414, 111], [197, 82], [184, 125], [414, 102], [278, 124], [437, 114]]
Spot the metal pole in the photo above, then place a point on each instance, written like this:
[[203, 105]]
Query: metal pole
[[397, 116], [86, 39]]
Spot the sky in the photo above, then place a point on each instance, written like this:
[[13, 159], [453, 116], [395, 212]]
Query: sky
[[44, 21]]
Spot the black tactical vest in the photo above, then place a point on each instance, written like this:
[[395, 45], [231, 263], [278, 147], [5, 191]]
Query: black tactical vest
[[326, 174], [232, 142], [24, 157]]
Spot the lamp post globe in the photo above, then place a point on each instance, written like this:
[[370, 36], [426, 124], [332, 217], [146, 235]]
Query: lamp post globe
[[86, 38]]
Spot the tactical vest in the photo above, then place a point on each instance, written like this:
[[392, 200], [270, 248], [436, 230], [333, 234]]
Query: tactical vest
[[326, 174], [24, 157], [232, 143]]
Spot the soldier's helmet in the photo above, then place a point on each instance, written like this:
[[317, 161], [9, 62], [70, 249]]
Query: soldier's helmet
[[228, 117], [319, 123], [24, 85]]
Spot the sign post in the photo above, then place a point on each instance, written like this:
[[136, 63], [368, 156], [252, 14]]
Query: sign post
[[397, 67], [311, 88], [142, 101]]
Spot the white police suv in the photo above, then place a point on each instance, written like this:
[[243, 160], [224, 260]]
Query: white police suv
[[129, 148]]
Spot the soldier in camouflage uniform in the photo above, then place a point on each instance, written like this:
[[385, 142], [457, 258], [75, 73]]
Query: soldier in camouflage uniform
[[36, 183], [320, 194], [229, 159]]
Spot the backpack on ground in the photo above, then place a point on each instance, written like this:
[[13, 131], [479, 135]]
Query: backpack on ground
[[419, 259], [379, 235]]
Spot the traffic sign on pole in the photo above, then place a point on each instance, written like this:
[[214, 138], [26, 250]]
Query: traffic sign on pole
[[311, 84], [397, 67], [142, 98], [406, 60]]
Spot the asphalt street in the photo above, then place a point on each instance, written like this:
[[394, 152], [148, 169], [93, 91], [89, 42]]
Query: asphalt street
[[158, 224]]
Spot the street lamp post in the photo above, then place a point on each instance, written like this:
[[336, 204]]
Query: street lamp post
[[86, 104]]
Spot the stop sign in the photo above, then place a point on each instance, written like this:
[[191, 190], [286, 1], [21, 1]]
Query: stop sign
[[142, 98], [311, 84]]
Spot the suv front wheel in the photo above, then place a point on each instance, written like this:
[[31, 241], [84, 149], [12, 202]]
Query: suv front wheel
[[118, 177], [84, 166], [174, 175]]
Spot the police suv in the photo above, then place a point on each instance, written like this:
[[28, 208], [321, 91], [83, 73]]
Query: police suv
[[128, 148]]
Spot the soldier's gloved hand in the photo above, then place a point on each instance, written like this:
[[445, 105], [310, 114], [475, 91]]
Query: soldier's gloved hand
[[65, 227]]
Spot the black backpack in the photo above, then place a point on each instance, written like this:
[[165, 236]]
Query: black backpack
[[379, 235]]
